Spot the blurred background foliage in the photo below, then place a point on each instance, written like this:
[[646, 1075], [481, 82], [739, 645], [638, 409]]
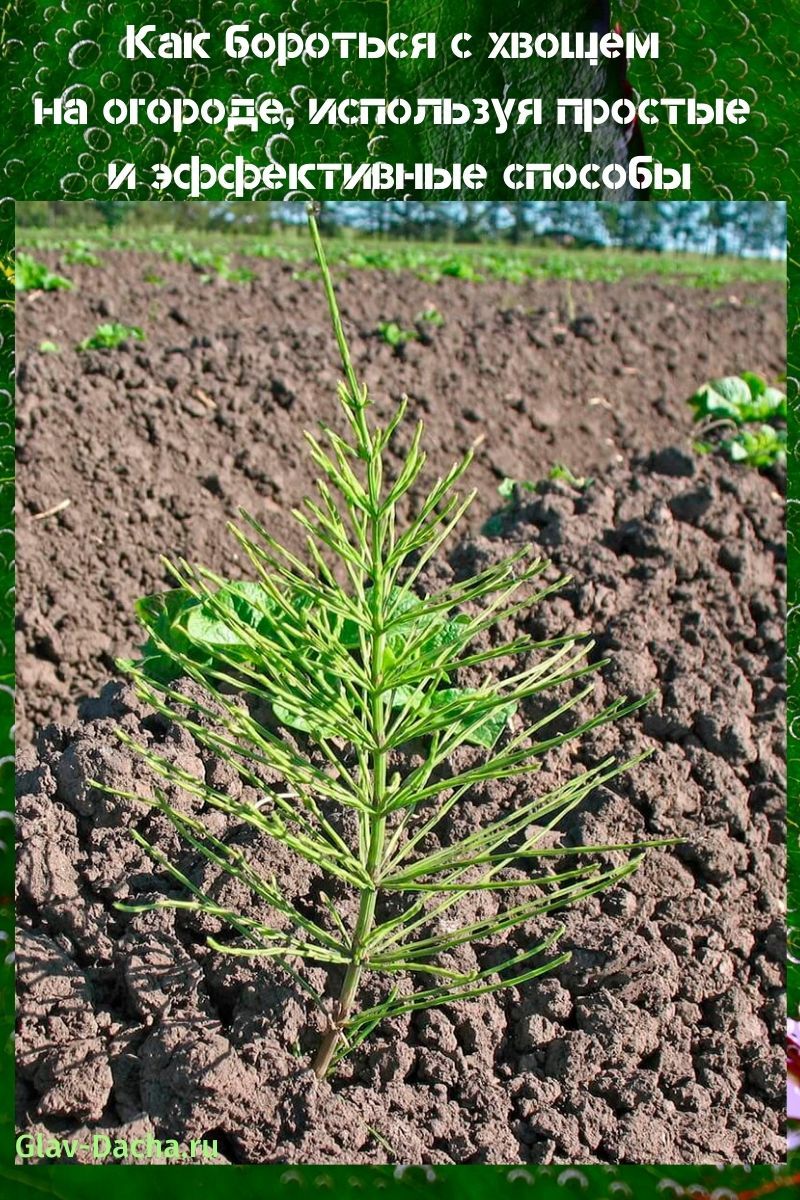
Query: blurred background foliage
[[716, 227]]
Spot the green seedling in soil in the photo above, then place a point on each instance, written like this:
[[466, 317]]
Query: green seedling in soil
[[394, 335], [152, 278], [429, 316], [303, 275], [426, 322], [230, 275], [33, 276], [761, 448], [212, 264], [563, 474], [340, 675], [381, 1140], [752, 413], [459, 268], [81, 254], [199, 259], [236, 274], [111, 335], [49, 348], [742, 399], [511, 491]]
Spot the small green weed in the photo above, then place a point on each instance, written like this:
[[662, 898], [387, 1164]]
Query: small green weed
[[430, 316], [33, 276], [394, 335], [212, 264], [111, 335], [744, 417], [580, 482], [236, 274], [512, 490], [81, 254]]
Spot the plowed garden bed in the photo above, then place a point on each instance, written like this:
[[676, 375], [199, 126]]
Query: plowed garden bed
[[662, 1039]]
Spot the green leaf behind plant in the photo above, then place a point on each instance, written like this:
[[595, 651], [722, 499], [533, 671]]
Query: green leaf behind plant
[[181, 621]]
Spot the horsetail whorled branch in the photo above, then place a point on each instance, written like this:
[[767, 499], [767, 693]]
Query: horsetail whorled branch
[[361, 670]]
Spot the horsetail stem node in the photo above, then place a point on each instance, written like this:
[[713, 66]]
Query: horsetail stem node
[[379, 705]]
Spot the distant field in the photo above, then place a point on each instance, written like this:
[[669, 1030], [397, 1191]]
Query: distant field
[[225, 253]]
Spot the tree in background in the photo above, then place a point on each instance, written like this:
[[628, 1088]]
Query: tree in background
[[112, 212]]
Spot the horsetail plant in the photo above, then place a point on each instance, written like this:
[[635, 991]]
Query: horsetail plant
[[365, 670]]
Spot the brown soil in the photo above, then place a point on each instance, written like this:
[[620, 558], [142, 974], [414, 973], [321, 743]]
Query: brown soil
[[155, 445], [662, 1039]]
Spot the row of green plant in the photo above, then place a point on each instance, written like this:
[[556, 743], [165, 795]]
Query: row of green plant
[[430, 261], [742, 415], [32, 275], [107, 336]]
